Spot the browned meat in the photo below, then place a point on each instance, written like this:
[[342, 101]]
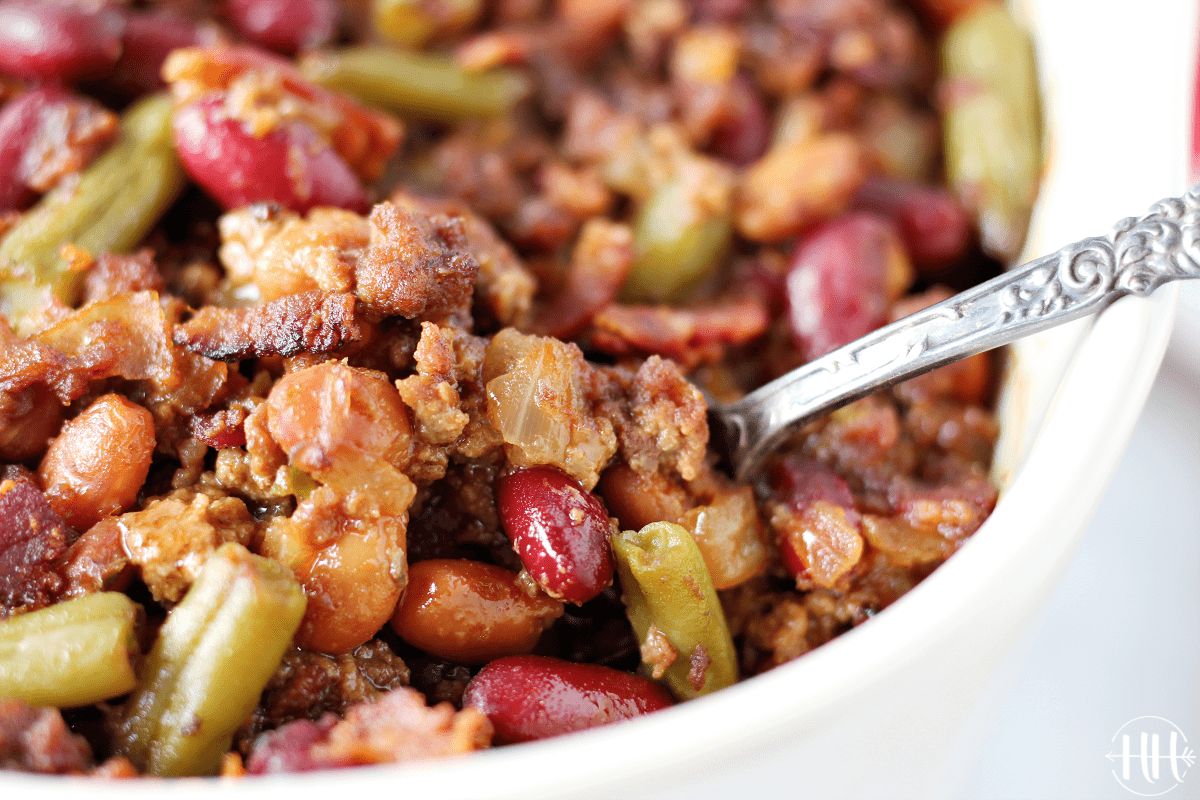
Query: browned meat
[[309, 322], [689, 336], [416, 266], [32, 537]]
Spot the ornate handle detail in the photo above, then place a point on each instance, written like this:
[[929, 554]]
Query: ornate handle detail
[[1083, 278]]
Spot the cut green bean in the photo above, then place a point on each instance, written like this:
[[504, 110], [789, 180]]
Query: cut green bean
[[115, 203], [676, 243], [415, 84], [992, 124], [70, 654], [207, 669], [667, 587]]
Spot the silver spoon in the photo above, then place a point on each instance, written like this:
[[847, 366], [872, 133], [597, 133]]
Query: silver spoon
[[1083, 278]]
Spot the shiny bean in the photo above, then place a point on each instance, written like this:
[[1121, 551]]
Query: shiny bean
[[99, 461], [290, 165], [559, 530], [148, 38], [536, 697], [58, 41], [287, 26], [934, 227], [842, 281], [470, 612]]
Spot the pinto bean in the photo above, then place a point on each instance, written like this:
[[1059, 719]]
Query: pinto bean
[[470, 612], [99, 461]]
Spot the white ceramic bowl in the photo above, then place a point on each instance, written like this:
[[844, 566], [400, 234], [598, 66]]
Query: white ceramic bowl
[[898, 707]]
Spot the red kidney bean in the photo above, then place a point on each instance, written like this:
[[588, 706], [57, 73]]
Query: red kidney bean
[[559, 530], [935, 228], [58, 41], [536, 697], [19, 121], [289, 165], [842, 279], [148, 38], [287, 26]]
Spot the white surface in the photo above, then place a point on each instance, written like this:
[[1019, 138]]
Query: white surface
[[1119, 639]]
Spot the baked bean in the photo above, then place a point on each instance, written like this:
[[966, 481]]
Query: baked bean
[[287, 26], [58, 41], [639, 498], [99, 461], [843, 280], [470, 612], [934, 227], [559, 530], [289, 165], [536, 697]]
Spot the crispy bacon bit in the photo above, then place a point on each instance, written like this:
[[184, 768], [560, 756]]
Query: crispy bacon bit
[[32, 537], [600, 262], [221, 429], [37, 740], [309, 322], [397, 727], [96, 561], [112, 275], [689, 336], [417, 265]]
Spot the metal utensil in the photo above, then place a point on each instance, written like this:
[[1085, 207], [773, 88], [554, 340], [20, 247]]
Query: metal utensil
[[1138, 256]]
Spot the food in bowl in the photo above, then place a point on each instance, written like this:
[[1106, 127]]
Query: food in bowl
[[352, 379]]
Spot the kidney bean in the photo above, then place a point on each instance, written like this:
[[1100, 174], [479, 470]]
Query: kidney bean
[[148, 38], [536, 697], [842, 280], [99, 461], [58, 41], [470, 612], [559, 530], [935, 228], [287, 26], [289, 165]]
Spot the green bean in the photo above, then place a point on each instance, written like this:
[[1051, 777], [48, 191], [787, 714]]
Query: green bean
[[115, 203], [676, 243], [207, 669], [71, 654], [415, 84], [668, 591], [992, 124]]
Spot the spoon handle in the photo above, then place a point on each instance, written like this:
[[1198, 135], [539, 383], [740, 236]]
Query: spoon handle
[[1138, 256]]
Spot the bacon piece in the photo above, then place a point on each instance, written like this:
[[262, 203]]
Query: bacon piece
[[600, 262], [397, 727], [309, 322], [32, 537], [112, 275], [690, 336], [37, 740]]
